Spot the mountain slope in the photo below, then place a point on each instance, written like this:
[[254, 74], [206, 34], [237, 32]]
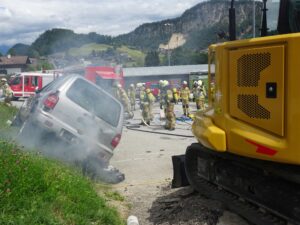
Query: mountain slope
[[201, 22], [57, 40]]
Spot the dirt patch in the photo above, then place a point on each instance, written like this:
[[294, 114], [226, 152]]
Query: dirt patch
[[161, 205], [184, 207]]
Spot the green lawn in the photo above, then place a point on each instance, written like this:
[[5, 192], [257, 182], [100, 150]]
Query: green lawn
[[87, 49], [136, 55], [36, 190]]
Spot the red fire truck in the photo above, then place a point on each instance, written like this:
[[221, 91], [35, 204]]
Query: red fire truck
[[154, 85], [104, 76], [26, 84]]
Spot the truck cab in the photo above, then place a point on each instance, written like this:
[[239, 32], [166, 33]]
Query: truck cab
[[26, 84]]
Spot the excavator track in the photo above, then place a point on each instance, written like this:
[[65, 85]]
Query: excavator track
[[243, 189]]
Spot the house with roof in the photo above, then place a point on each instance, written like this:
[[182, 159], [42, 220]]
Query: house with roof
[[13, 64]]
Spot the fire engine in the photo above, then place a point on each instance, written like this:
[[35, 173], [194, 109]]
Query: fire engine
[[104, 76], [27, 83]]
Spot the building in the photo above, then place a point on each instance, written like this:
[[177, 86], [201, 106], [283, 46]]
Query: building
[[14, 64], [176, 74]]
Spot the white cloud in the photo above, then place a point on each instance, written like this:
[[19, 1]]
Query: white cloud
[[22, 21]]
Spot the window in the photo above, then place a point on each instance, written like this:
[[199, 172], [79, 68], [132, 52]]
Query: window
[[26, 80], [95, 101], [34, 81], [16, 81]]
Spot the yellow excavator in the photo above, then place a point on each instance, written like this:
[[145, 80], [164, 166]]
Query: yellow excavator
[[248, 150]]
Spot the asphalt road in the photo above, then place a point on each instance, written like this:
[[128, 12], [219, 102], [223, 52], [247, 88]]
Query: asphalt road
[[145, 158], [18, 103]]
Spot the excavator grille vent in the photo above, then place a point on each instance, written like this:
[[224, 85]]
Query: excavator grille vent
[[249, 68], [250, 106]]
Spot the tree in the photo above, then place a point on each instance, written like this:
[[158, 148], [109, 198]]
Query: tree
[[152, 59], [33, 53], [184, 56], [11, 52]]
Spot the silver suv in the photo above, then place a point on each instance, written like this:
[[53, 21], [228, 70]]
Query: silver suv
[[73, 119]]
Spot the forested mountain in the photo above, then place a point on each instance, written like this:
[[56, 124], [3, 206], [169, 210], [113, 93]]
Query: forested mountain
[[188, 36], [59, 40], [19, 49], [199, 25]]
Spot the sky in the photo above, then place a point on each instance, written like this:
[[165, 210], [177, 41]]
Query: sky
[[22, 21]]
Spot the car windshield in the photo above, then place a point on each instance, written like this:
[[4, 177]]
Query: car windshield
[[95, 101]]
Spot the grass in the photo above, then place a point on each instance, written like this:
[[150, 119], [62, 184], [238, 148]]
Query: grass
[[36, 190], [114, 195], [136, 55], [6, 113], [85, 50]]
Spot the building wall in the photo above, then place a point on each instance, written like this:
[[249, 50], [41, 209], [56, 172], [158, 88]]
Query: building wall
[[13, 70], [144, 79]]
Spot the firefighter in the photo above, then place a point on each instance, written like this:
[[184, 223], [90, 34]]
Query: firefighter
[[142, 92], [167, 102], [147, 106], [185, 95], [162, 93], [175, 95], [131, 94], [169, 111], [202, 95], [170, 116], [121, 95], [150, 96], [196, 94], [6, 92]]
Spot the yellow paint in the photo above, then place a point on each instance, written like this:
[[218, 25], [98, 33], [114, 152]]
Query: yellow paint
[[240, 122], [210, 135]]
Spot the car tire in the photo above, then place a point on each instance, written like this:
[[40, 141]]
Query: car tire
[[99, 170]]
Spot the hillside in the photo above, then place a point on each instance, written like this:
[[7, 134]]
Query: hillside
[[199, 25], [120, 54], [57, 40]]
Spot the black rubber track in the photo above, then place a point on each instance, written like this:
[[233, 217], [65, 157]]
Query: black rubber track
[[248, 210]]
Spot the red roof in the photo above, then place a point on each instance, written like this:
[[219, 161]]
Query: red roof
[[14, 60]]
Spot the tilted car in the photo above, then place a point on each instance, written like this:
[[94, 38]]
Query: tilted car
[[73, 111]]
